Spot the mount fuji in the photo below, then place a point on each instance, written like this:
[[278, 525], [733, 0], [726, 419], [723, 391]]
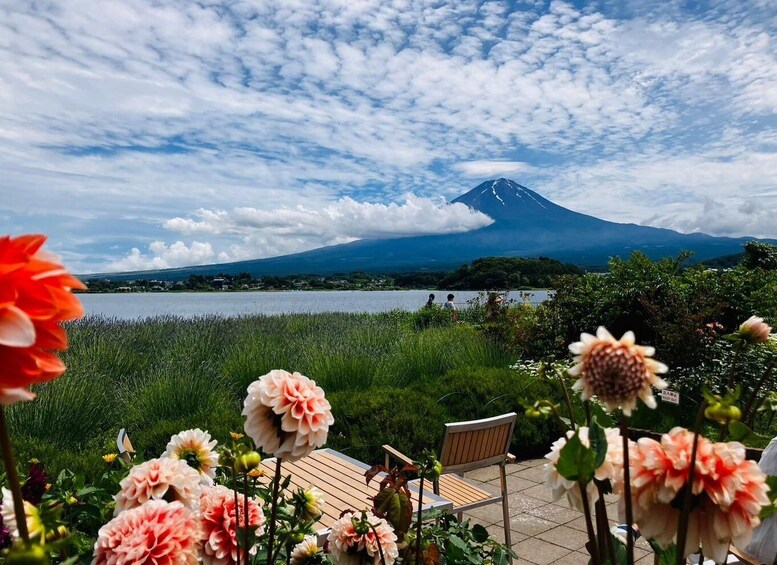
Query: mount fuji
[[525, 225]]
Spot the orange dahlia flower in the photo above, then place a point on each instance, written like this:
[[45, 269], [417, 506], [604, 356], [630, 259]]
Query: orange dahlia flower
[[35, 297]]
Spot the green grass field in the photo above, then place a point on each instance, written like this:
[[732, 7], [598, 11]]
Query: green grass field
[[156, 377]]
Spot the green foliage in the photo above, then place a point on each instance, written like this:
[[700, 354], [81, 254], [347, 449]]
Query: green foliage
[[432, 317], [365, 420], [459, 543], [500, 273], [759, 255]]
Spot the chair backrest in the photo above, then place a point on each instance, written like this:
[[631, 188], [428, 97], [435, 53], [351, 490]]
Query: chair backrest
[[477, 443]]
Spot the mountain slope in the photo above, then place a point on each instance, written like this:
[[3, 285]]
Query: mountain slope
[[526, 225]]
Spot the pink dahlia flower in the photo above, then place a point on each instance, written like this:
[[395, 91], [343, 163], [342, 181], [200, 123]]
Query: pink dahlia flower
[[287, 414], [616, 371], [754, 330], [155, 533], [611, 469], [729, 490], [159, 479], [349, 548], [217, 516]]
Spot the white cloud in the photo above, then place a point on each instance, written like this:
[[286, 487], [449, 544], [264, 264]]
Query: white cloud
[[251, 233], [163, 256], [484, 169]]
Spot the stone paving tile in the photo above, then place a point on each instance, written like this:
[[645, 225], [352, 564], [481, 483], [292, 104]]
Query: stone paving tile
[[498, 533], [565, 537], [530, 525], [540, 552], [574, 558], [484, 475], [536, 474], [555, 513], [519, 503], [517, 484], [541, 492]]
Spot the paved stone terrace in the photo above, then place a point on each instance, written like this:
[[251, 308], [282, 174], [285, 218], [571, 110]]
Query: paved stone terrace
[[543, 531]]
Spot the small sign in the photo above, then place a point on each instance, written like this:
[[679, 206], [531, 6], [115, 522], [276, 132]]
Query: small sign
[[671, 396]]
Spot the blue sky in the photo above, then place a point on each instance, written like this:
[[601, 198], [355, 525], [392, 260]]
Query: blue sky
[[150, 133]]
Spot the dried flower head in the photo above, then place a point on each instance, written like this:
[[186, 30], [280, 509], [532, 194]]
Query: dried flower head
[[616, 371]]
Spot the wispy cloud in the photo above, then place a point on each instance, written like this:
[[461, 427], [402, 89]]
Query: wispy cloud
[[140, 111]]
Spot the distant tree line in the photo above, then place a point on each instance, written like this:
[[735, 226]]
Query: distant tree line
[[490, 273]]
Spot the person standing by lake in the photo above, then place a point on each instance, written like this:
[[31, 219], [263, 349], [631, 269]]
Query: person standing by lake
[[449, 305], [430, 302]]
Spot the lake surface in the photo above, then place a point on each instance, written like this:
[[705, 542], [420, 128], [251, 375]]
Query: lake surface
[[130, 306]]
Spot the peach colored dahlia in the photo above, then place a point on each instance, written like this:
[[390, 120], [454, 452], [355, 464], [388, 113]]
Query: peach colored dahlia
[[754, 330], [611, 469], [304, 550], [159, 479], [616, 371], [217, 516], [155, 533], [349, 548], [35, 297], [287, 414], [729, 491], [196, 448]]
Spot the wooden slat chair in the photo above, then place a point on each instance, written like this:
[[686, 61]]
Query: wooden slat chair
[[467, 446]]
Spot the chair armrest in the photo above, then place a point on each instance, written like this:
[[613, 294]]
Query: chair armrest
[[398, 455], [511, 458]]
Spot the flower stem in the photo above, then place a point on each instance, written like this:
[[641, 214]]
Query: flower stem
[[380, 547], [605, 543], [237, 515], [738, 347], [682, 525], [587, 405], [274, 511], [13, 479], [568, 402], [418, 521], [245, 517], [750, 406], [589, 526], [627, 490]]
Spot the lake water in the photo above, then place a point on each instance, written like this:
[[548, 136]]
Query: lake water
[[190, 304]]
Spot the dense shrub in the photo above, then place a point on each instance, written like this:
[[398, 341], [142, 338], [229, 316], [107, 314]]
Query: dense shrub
[[483, 392], [366, 420]]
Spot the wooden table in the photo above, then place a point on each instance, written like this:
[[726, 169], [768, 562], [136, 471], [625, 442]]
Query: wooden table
[[342, 481]]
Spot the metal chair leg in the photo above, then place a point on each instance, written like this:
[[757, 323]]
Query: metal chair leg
[[505, 508]]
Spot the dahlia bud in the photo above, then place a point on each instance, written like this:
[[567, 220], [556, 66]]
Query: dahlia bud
[[754, 330]]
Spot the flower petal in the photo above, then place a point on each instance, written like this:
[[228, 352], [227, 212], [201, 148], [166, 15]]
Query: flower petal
[[16, 328]]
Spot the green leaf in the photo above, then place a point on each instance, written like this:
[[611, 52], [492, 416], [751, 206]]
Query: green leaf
[[598, 441], [456, 541], [576, 461], [739, 431], [601, 416], [666, 556], [479, 533]]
